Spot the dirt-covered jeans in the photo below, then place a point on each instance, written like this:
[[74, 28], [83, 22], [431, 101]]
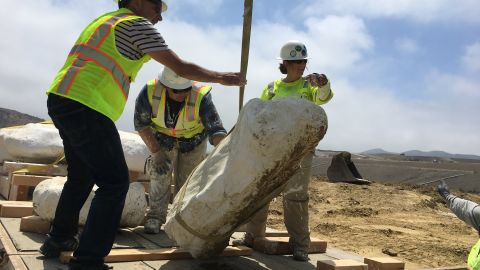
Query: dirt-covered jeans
[[94, 154], [295, 208], [182, 165]]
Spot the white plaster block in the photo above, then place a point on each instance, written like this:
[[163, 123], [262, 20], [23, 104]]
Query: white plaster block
[[47, 194], [244, 172]]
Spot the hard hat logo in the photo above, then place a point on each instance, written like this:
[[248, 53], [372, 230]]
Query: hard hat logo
[[293, 50]]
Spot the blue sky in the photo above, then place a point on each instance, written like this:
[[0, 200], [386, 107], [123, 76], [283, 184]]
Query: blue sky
[[405, 73]]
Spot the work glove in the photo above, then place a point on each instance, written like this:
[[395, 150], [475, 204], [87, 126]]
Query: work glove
[[158, 163], [443, 189], [316, 79]]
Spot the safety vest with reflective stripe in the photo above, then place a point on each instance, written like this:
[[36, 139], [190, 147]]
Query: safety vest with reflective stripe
[[188, 123], [474, 257], [95, 73], [300, 88]]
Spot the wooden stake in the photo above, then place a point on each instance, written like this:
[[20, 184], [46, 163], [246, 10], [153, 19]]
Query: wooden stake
[[247, 26]]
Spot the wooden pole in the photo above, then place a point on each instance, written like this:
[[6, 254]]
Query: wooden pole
[[247, 26]]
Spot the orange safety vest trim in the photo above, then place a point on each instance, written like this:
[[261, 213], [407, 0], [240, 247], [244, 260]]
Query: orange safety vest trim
[[90, 51]]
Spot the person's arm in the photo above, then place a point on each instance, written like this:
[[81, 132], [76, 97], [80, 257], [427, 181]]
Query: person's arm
[[195, 72], [211, 120], [467, 211], [320, 88], [142, 120]]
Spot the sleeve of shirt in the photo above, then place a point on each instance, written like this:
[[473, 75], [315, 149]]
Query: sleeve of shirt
[[146, 37], [210, 118], [465, 210], [143, 111], [321, 95]]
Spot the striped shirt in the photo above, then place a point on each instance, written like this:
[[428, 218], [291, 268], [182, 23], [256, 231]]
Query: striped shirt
[[135, 38]]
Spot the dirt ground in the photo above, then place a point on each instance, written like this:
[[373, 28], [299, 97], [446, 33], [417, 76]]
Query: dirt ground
[[382, 219]]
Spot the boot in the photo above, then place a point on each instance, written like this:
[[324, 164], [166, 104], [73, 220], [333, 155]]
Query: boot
[[52, 248], [246, 240], [300, 255], [152, 226]]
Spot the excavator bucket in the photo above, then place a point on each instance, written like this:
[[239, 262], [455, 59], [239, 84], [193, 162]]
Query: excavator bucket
[[342, 169]]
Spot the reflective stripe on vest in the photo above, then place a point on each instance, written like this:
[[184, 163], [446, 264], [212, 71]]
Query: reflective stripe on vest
[[89, 52], [190, 112], [188, 123], [157, 95]]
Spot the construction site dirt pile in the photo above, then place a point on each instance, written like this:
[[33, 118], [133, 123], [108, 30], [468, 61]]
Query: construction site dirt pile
[[380, 219]]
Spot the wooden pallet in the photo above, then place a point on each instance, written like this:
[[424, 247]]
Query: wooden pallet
[[129, 255], [16, 209], [20, 184], [279, 245], [34, 224], [341, 265]]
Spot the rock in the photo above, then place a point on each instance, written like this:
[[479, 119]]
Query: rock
[[135, 150], [41, 143], [243, 173], [390, 252], [47, 194]]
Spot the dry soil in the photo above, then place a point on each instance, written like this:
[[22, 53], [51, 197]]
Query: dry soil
[[410, 223]]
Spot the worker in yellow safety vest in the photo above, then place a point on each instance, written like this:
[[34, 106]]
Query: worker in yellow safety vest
[[315, 88], [174, 116], [86, 97], [467, 211]]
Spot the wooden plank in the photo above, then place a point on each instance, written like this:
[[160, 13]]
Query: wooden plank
[[281, 245], [34, 224], [27, 180], [40, 169], [341, 265], [274, 233], [128, 255], [33, 262], [14, 262], [16, 209], [19, 193], [384, 263], [4, 186]]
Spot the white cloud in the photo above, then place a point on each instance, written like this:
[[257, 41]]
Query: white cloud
[[417, 10], [366, 117], [471, 59], [406, 45], [201, 7], [454, 88]]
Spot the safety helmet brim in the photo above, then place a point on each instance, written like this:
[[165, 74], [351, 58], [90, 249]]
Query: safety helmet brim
[[171, 80]]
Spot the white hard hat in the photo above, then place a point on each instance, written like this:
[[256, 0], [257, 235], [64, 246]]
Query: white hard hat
[[171, 80], [164, 5], [293, 50]]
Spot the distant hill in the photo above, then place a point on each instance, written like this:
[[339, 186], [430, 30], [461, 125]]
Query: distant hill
[[441, 154], [418, 153], [376, 151], [10, 118]]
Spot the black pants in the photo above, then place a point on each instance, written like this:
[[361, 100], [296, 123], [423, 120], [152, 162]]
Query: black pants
[[94, 154]]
